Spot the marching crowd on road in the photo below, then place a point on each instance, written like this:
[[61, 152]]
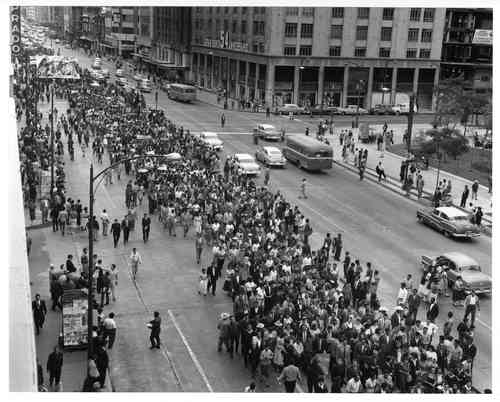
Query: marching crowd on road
[[293, 306]]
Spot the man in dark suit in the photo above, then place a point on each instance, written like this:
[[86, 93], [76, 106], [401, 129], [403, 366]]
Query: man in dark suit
[[155, 327], [146, 226], [212, 279], [126, 230], [70, 267], [433, 311], [54, 367], [39, 312], [116, 230]]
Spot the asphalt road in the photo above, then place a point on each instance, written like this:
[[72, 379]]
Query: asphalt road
[[376, 224]]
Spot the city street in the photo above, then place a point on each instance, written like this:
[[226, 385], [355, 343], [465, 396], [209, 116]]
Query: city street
[[377, 226]]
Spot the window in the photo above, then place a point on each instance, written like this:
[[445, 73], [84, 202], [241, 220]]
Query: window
[[428, 14], [305, 50], [363, 13], [384, 52], [360, 52], [290, 30], [262, 10], [426, 35], [425, 53], [413, 34], [289, 51], [226, 10], [255, 47], [388, 14], [226, 25], [217, 25], [128, 30], [411, 53], [235, 10], [244, 10], [386, 34], [243, 27], [261, 47], [337, 12], [485, 78], [258, 27], [306, 30], [361, 32], [335, 51], [336, 31], [235, 26], [415, 14], [308, 11], [293, 11]]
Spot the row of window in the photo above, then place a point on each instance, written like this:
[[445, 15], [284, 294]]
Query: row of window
[[387, 13], [258, 27], [335, 51], [244, 10]]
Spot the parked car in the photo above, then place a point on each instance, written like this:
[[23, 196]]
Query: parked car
[[247, 164], [352, 110], [119, 72], [323, 110], [403, 109], [211, 139], [270, 156], [458, 264], [165, 86], [382, 109], [288, 108], [451, 221], [267, 132]]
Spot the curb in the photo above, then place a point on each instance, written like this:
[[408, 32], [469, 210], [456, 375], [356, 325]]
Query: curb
[[369, 175]]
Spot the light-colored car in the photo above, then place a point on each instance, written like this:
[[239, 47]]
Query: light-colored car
[[288, 108], [352, 110], [121, 81], [270, 156], [247, 164], [267, 131], [458, 264], [119, 72], [451, 221], [144, 85], [211, 139], [403, 109]]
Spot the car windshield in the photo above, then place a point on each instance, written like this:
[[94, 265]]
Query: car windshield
[[245, 159], [210, 135], [274, 152], [270, 129], [472, 268]]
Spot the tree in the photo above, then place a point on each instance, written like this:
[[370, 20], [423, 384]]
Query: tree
[[446, 141]]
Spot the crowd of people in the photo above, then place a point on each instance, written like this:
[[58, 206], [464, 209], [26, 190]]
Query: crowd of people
[[293, 306]]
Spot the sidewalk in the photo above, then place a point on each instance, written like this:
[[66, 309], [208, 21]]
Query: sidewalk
[[49, 248], [210, 97], [392, 163]]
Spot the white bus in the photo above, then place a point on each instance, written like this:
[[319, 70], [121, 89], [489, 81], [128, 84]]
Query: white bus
[[181, 92]]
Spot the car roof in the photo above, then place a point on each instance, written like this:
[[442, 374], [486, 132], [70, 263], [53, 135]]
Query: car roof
[[272, 149], [209, 132], [290, 104], [460, 259], [264, 126], [452, 211], [243, 156]]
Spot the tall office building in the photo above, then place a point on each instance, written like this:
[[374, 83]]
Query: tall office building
[[468, 47], [318, 55]]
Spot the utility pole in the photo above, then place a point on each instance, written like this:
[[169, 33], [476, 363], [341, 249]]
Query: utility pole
[[90, 307], [410, 122], [52, 144]]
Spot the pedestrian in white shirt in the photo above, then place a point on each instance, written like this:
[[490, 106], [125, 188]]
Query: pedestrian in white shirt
[[402, 294], [135, 260], [105, 222], [353, 385]]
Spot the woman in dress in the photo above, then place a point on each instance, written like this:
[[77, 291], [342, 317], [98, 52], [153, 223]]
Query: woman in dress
[[202, 287]]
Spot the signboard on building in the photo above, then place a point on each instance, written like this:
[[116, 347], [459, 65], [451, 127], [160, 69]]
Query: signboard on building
[[243, 46], [483, 37], [15, 31], [116, 19]]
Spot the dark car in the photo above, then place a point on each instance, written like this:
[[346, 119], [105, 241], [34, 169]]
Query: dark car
[[382, 109], [451, 221], [323, 110]]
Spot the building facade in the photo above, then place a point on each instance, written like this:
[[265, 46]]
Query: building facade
[[171, 46], [120, 31], [468, 47], [282, 55], [144, 40]]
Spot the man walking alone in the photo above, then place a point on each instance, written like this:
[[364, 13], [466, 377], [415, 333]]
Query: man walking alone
[[155, 326], [116, 230]]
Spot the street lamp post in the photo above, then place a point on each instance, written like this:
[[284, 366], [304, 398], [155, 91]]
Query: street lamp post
[[438, 140], [384, 90], [358, 90], [410, 121], [52, 143]]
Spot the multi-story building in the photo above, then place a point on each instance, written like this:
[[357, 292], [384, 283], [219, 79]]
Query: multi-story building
[[144, 37], [315, 55], [171, 48], [119, 31], [56, 19], [468, 47]]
